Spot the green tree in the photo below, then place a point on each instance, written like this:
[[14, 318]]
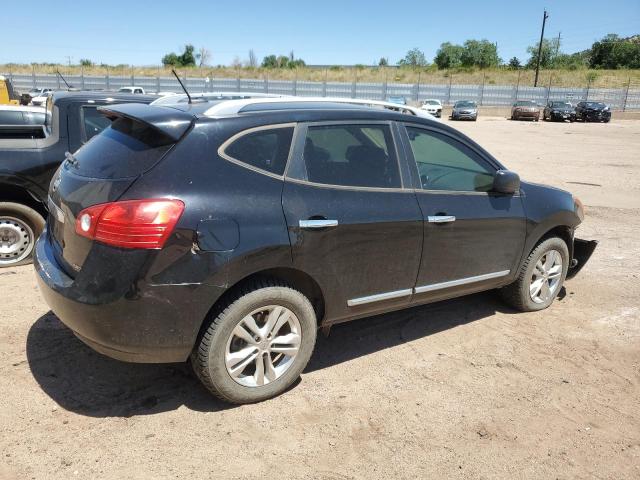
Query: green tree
[[449, 56], [383, 62], [514, 63], [282, 61], [414, 58], [547, 54], [171, 59], [186, 59], [480, 53], [270, 61], [615, 52], [85, 62]]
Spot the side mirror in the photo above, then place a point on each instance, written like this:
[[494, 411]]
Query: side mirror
[[505, 181]]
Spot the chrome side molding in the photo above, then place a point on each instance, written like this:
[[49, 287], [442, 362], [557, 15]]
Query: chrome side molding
[[426, 288], [379, 297], [460, 281], [317, 223]]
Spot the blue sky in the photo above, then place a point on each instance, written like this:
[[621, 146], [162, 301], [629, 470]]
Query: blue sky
[[320, 32]]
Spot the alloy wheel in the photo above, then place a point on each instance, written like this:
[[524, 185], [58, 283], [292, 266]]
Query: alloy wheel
[[263, 346], [546, 277]]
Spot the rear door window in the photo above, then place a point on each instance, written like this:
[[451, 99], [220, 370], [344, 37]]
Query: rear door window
[[263, 148], [355, 155]]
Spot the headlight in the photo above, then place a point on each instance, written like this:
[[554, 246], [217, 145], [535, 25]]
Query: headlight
[[578, 206]]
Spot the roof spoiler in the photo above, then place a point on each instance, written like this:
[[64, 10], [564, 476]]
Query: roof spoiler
[[171, 122]]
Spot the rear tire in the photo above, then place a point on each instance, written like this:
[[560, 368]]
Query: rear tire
[[237, 357], [20, 227], [540, 277]]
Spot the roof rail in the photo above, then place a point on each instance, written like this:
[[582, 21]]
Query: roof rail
[[212, 96], [233, 107]]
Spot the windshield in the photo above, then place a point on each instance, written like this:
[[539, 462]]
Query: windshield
[[560, 104], [525, 103], [431, 102], [595, 105], [465, 104]]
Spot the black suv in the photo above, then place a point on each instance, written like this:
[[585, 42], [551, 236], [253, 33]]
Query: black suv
[[29, 156], [229, 233]]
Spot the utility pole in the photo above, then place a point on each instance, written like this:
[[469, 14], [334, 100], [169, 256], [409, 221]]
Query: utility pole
[[69, 57], [544, 20], [558, 44]]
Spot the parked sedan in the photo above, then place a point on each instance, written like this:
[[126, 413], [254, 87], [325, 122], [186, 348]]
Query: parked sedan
[[228, 233], [398, 99], [593, 112], [525, 109], [433, 106], [464, 110], [559, 111]]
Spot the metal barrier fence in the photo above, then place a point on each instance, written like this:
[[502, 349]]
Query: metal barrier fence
[[485, 95]]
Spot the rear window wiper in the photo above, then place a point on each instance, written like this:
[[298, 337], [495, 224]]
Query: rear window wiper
[[71, 159]]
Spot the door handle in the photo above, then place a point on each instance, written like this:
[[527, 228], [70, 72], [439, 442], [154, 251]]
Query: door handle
[[318, 223], [441, 218]]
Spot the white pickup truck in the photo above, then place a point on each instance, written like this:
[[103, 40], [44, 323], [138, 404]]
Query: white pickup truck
[[132, 89]]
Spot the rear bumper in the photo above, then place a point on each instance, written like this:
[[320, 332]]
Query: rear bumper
[[582, 251], [146, 324]]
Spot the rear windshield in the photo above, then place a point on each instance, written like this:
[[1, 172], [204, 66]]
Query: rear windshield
[[525, 103], [125, 149]]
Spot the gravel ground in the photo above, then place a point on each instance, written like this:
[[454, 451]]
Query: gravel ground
[[465, 388]]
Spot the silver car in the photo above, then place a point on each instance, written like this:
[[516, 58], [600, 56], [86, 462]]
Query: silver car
[[464, 110]]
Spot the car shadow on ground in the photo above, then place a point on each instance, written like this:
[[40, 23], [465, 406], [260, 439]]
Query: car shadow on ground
[[362, 337], [88, 383]]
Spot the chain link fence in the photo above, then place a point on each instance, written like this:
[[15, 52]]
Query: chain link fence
[[626, 98]]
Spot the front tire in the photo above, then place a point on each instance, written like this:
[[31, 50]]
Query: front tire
[[20, 227], [540, 277], [257, 345]]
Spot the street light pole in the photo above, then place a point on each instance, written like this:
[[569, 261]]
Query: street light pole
[[544, 20]]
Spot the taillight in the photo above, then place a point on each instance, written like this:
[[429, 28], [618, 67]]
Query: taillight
[[130, 223]]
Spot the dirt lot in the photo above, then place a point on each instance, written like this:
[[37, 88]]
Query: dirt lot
[[464, 389]]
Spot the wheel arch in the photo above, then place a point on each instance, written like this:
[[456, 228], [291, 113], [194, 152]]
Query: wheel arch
[[10, 192], [564, 232], [297, 279]]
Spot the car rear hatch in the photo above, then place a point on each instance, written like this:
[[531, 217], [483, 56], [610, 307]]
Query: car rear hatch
[[105, 167]]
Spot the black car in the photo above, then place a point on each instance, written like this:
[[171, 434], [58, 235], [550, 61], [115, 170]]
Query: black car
[[227, 234], [593, 112], [31, 153], [559, 111]]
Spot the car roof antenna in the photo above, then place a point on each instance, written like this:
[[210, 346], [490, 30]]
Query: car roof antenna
[[182, 85], [60, 75]]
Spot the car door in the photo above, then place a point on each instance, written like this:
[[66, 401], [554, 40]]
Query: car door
[[473, 238], [353, 226]]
